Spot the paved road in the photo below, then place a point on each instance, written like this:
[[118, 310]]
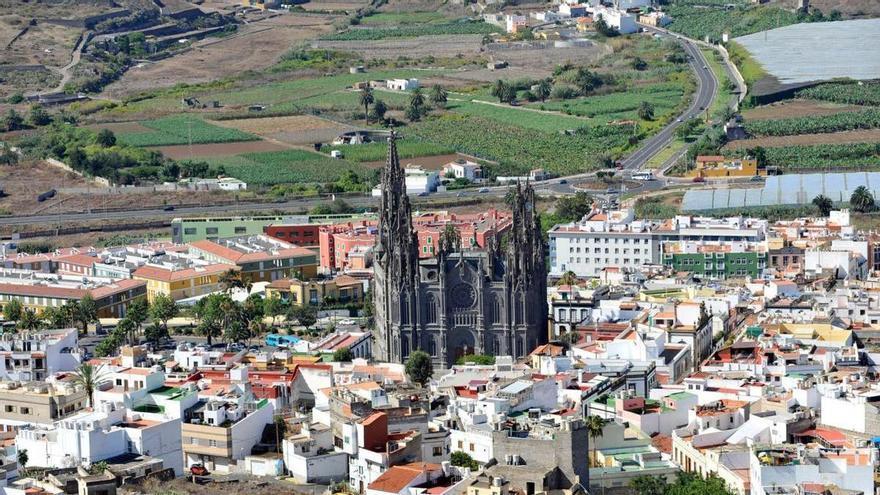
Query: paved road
[[706, 87]]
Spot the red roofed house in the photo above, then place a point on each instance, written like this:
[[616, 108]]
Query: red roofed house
[[398, 479], [261, 258]]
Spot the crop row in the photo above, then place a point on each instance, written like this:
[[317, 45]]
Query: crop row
[[699, 22], [520, 149], [285, 167], [375, 152], [182, 129], [844, 121], [824, 156], [413, 31], [866, 93], [618, 105]]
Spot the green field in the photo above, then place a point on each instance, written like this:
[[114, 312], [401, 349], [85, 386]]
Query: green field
[[520, 149], [547, 122], [375, 152], [280, 167], [395, 18], [665, 97], [829, 157], [182, 129], [850, 92], [413, 31], [723, 96], [696, 20]]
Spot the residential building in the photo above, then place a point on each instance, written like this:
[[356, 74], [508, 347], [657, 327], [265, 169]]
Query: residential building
[[793, 468], [716, 260], [341, 289], [464, 169], [402, 84], [195, 229], [38, 291], [310, 457], [39, 402], [260, 258], [37, 356], [181, 277], [712, 167]]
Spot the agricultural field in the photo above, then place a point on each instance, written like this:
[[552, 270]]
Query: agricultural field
[[376, 152], [414, 31], [845, 121], [281, 167], [398, 18], [829, 157], [519, 149], [197, 151], [621, 105], [182, 129], [861, 136], [850, 93], [699, 18], [392, 48], [787, 109], [297, 130], [529, 118]]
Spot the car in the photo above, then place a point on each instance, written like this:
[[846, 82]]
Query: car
[[168, 208], [699, 179], [611, 190], [678, 120], [424, 193], [563, 181], [702, 107], [706, 68], [484, 189], [459, 195], [757, 178], [198, 470]]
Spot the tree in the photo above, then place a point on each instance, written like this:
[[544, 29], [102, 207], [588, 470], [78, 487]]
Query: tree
[[7, 156], [571, 337], [379, 110], [89, 377], [759, 154], [572, 208], [210, 316], [305, 315], [648, 485], [417, 98], [106, 138], [273, 307], [499, 90], [128, 331], [595, 426], [862, 200], [154, 333], [12, 310], [413, 113], [509, 94], [567, 278], [603, 28], [56, 317], [343, 355], [12, 121], [39, 116], [450, 239], [543, 90], [163, 309], [419, 367], [22, 458], [463, 459], [480, 359], [86, 312], [367, 99], [138, 312], [29, 320], [233, 279], [823, 204], [439, 96], [639, 64], [646, 110]]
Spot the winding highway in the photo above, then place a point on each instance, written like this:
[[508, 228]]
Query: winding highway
[[707, 85]]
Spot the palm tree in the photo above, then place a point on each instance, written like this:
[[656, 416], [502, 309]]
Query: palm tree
[[22, 459], [499, 89], [567, 278], [417, 98], [439, 96], [595, 426], [367, 99], [29, 320], [824, 204], [233, 279], [89, 377], [544, 89], [862, 200]]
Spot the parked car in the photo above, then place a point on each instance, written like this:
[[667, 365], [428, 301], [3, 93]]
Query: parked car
[[757, 178], [699, 179], [484, 189], [563, 181], [198, 470], [168, 208]]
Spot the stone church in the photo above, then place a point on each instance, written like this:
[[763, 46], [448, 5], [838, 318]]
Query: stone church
[[464, 300]]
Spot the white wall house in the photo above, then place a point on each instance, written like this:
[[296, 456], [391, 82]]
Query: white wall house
[[38, 355], [402, 84]]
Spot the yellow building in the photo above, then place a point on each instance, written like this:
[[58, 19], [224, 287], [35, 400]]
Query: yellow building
[[342, 289], [260, 258], [713, 166], [181, 282]]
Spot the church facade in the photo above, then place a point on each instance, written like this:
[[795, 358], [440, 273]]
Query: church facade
[[462, 301]]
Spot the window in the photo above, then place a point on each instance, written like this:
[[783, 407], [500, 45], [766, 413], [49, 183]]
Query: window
[[212, 443], [471, 447], [9, 409], [211, 230], [25, 410], [189, 231], [437, 451], [460, 443], [241, 230]]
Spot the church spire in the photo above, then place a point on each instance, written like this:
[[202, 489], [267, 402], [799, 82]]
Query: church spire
[[397, 246]]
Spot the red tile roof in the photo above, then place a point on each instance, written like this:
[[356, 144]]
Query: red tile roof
[[169, 275]]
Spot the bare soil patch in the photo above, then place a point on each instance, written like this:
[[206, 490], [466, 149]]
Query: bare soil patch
[[321, 5], [797, 108], [45, 44], [26, 180], [272, 125], [861, 136], [183, 152], [256, 46], [437, 46]]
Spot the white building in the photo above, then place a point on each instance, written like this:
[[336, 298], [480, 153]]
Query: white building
[[775, 469], [93, 436], [464, 169], [514, 23], [621, 21], [34, 356], [402, 84], [419, 180], [310, 457]]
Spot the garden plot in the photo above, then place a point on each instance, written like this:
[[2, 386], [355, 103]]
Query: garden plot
[[198, 151], [300, 130], [182, 129], [796, 108]]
